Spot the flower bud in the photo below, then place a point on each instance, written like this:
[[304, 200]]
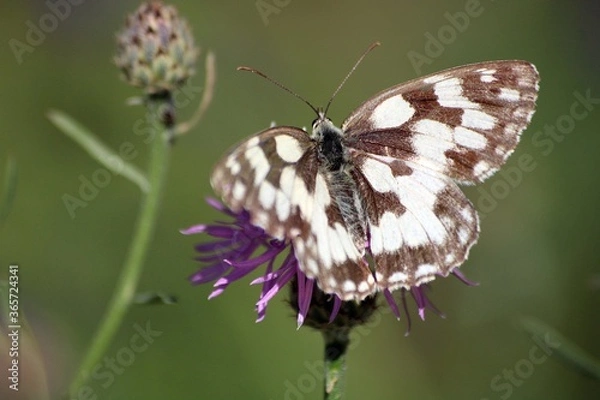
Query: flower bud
[[155, 50]]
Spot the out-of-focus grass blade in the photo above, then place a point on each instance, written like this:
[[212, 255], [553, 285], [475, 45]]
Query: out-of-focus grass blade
[[571, 354], [9, 189], [98, 150]]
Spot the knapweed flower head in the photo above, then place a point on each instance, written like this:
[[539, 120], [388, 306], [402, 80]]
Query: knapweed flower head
[[239, 248], [156, 50]]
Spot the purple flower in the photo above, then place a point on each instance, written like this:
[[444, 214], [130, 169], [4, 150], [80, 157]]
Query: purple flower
[[239, 248]]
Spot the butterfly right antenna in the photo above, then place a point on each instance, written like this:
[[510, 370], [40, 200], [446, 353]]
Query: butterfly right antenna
[[371, 47]]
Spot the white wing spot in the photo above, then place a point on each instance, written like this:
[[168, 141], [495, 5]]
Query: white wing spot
[[233, 165], [392, 112], [349, 286], [467, 215], [397, 277], [478, 120], [434, 79], [288, 148], [261, 219], [312, 267], [469, 138], [391, 235], [511, 95], [450, 94], [266, 195], [425, 270], [379, 175], [282, 206], [511, 129], [430, 141], [481, 169], [239, 190], [253, 142], [363, 287], [463, 235], [257, 159], [332, 282]]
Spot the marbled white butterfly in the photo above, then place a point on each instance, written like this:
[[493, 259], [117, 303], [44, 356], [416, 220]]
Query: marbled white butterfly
[[383, 187]]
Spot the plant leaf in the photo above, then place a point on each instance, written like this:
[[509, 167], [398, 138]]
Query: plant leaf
[[98, 150], [568, 352]]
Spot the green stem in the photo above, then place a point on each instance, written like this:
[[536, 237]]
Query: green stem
[[130, 274], [336, 346]]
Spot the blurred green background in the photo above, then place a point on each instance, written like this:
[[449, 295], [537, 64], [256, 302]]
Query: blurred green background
[[537, 255]]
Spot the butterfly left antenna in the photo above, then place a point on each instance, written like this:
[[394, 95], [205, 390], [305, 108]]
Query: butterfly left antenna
[[257, 72]]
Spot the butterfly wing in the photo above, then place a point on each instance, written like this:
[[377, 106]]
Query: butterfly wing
[[411, 143], [463, 122], [275, 176], [420, 222]]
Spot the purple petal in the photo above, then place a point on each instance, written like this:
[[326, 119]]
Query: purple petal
[[458, 273], [217, 205], [418, 295], [224, 232], [192, 230], [269, 254], [392, 303], [285, 277], [212, 246], [262, 310], [215, 293], [337, 304], [305, 289], [209, 274]]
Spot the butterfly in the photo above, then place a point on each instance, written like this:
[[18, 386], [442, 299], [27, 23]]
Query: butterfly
[[383, 187]]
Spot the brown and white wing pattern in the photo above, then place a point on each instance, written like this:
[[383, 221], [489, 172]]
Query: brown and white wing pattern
[[411, 144], [276, 177], [463, 122], [420, 223], [386, 183]]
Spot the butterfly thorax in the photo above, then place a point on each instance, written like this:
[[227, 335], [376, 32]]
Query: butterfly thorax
[[329, 142], [334, 164]]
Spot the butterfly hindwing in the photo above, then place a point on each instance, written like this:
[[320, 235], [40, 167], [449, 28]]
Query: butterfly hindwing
[[420, 224]]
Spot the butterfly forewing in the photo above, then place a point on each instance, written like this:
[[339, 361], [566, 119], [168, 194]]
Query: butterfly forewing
[[463, 122], [276, 177]]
